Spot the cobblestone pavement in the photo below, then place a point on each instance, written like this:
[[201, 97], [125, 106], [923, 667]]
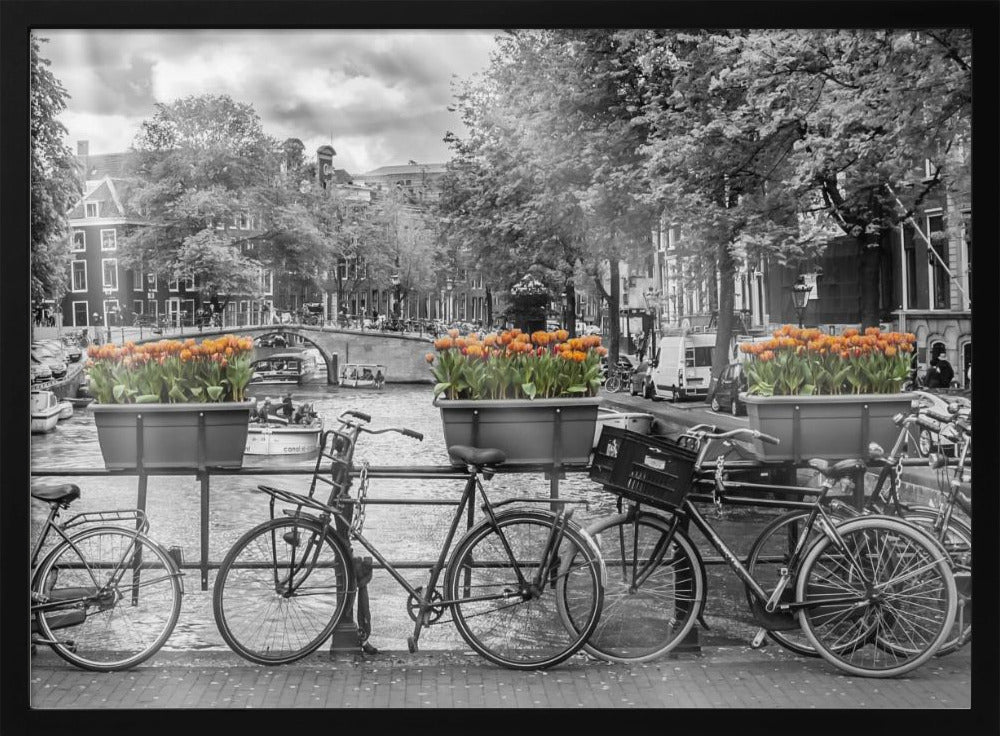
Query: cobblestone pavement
[[718, 677]]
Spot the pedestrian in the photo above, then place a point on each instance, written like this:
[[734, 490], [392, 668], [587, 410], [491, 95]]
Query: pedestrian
[[940, 374], [287, 408]]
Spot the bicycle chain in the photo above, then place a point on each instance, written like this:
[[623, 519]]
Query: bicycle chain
[[359, 516]]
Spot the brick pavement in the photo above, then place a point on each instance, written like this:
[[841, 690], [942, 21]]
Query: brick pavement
[[719, 677]]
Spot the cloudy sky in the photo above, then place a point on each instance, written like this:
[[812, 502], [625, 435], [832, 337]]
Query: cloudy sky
[[379, 97]]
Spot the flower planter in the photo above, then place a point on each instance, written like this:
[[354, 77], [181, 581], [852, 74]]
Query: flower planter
[[831, 427], [529, 431], [172, 436]]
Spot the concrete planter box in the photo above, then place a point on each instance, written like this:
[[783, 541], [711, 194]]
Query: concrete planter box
[[530, 431], [172, 435], [829, 427]]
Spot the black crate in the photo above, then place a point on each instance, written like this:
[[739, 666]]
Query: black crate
[[647, 468]]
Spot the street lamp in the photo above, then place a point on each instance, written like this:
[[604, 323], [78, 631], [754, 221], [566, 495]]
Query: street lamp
[[449, 285], [652, 299], [108, 291], [800, 296], [394, 279]]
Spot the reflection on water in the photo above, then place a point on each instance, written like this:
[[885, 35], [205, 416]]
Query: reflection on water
[[400, 532]]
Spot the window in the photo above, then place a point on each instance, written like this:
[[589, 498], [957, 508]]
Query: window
[[698, 357], [189, 283], [244, 221], [266, 281], [967, 242], [173, 285], [109, 239], [138, 306], [151, 282], [109, 273], [79, 275], [81, 315], [938, 257], [79, 241], [137, 279], [90, 209]]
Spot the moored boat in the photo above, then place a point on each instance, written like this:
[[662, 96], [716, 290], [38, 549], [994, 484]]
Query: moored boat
[[294, 432], [45, 411], [283, 369], [362, 374], [65, 410]]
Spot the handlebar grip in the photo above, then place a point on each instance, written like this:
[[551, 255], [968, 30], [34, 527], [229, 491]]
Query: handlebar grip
[[767, 438], [928, 423], [359, 414], [415, 435]]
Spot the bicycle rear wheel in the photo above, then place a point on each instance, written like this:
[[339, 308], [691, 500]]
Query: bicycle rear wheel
[[893, 625], [281, 590], [957, 541], [614, 383], [123, 585], [653, 591], [525, 627]]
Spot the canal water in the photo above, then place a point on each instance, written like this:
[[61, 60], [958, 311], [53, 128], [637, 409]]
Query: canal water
[[401, 532]]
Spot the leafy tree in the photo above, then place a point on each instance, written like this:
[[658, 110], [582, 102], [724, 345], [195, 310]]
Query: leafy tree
[[55, 181], [864, 107], [546, 178], [199, 163]]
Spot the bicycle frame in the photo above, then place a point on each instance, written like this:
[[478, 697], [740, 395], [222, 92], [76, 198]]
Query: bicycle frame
[[333, 515]]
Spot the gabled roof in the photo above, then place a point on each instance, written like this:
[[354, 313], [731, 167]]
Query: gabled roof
[[415, 169], [111, 196]]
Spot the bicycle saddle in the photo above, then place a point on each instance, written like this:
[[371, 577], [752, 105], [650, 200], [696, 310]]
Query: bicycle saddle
[[477, 456], [59, 493], [837, 470]]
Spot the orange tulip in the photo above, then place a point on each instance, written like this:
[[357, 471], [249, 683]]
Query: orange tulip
[[562, 335], [429, 357]]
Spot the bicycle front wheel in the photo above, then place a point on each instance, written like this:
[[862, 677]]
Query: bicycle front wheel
[[122, 588], [613, 384], [655, 585], [532, 624], [888, 592], [281, 590]]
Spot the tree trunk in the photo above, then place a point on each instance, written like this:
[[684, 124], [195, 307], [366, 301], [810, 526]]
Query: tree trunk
[[614, 309], [569, 309], [489, 308], [869, 280], [724, 324]]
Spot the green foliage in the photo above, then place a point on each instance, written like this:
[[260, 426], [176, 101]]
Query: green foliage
[[55, 182]]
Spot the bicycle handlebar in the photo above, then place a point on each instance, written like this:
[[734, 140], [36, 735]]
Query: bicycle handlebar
[[738, 432], [359, 414], [415, 435]]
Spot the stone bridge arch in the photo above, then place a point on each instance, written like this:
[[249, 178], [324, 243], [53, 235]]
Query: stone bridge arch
[[403, 355]]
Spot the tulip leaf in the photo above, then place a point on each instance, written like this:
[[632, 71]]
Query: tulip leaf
[[438, 388], [529, 389], [118, 391], [214, 392], [147, 399]]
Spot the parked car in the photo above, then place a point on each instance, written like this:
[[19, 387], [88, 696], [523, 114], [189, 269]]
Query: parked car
[[39, 371], [71, 347], [732, 381], [55, 360], [70, 353], [639, 380]]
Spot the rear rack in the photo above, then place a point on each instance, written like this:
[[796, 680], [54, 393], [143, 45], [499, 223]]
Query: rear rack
[[104, 517]]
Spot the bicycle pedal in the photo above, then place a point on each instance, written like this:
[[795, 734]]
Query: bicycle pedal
[[759, 639]]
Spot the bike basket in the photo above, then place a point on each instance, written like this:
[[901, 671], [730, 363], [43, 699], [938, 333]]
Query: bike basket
[[647, 468]]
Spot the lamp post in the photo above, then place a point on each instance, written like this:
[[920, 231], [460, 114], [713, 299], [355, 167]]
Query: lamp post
[[800, 296], [652, 299], [108, 291], [449, 286], [396, 307]]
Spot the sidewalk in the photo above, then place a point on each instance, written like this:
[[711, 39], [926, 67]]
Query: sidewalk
[[720, 677]]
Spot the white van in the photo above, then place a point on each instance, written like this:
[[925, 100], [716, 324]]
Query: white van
[[682, 366]]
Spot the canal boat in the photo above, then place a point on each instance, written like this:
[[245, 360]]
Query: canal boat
[[362, 374], [80, 402], [272, 434], [67, 386], [45, 410], [283, 369], [65, 410]]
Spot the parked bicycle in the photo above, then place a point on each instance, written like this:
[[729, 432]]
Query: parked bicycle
[[112, 594], [941, 522], [284, 586], [618, 379], [874, 595]]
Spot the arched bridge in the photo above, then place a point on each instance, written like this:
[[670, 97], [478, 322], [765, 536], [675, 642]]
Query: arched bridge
[[402, 355]]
